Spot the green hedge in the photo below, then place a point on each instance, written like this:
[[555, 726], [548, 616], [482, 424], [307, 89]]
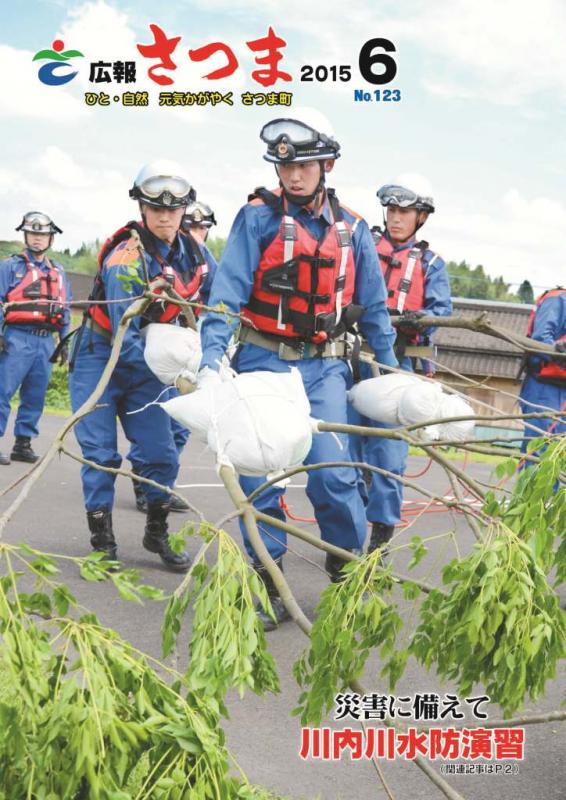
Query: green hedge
[[58, 390]]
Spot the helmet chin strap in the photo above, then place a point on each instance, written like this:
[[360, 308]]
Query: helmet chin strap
[[302, 199]]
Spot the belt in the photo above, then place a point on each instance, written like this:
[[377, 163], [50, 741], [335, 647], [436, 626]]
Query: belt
[[34, 331], [411, 350], [288, 351], [96, 328]]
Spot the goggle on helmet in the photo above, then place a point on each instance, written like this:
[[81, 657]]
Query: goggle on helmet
[[37, 222], [291, 140], [393, 195], [163, 191]]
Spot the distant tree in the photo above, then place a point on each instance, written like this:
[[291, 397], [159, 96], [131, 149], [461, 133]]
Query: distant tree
[[82, 251], [526, 293], [216, 246], [466, 281]]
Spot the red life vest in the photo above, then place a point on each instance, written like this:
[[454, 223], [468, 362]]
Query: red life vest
[[46, 296], [553, 372], [303, 288], [120, 249], [403, 272]]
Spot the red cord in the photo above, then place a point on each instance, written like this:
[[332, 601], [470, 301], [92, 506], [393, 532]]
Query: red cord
[[422, 472], [410, 507]]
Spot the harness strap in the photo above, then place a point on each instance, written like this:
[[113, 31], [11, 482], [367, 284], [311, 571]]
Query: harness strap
[[289, 236], [405, 286], [344, 242]]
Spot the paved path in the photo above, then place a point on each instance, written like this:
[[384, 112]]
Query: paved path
[[261, 733]]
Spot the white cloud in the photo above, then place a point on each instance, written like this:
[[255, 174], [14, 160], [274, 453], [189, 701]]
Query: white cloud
[[515, 236], [27, 96], [504, 52], [87, 203]]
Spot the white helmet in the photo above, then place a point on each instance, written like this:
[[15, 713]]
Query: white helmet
[[306, 136], [198, 214], [160, 184], [408, 191], [38, 222]]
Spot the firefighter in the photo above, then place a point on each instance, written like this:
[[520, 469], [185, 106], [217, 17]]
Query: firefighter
[[40, 292], [300, 235], [545, 381], [417, 285], [162, 192], [198, 220]]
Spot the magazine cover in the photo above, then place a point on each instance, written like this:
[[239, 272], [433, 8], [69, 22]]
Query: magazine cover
[[260, 223]]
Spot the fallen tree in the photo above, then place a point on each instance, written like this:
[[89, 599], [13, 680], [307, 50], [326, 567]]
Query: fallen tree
[[76, 689]]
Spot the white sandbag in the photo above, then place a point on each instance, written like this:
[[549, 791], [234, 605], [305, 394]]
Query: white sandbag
[[259, 422], [378, 398], [454, 406], [171, 351], [419, 403]]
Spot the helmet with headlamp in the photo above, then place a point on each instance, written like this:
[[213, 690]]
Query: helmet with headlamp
[[161, 184], [199, 214], [295, 140], [402, 196]]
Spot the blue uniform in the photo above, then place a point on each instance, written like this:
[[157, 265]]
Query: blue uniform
[[549, 325], [180, 434], [131, 386], [333, 492], [385, 495], [25, 363]]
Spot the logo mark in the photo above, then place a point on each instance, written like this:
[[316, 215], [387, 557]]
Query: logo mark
[[59, 62]]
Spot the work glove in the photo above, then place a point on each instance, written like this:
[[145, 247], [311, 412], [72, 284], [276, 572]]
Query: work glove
[[410, 319], [207, 378], [560, 346], [3, 345]]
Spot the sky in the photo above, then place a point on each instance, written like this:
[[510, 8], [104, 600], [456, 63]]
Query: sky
[[481, 119]]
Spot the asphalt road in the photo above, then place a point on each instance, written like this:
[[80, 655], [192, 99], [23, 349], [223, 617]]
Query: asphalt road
[[261, 733]]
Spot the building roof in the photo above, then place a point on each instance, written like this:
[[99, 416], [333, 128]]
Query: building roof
[[81, 286], [477, 354]]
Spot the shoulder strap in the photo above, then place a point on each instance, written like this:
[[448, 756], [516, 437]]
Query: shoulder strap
[[123, 234], [274, 201], [334, 204]]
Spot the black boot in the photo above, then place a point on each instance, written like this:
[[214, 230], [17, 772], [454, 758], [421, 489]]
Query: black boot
[[4, 460], [277, 604], [141, 499], [334, 564], [101, 534], [22, 450], [179, 505], [156, 538], [380, 535]]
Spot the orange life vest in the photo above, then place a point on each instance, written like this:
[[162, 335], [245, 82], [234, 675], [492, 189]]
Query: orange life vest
[[403, 272], [553, 372], [121, 249], [42, 295], [303, 288]]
